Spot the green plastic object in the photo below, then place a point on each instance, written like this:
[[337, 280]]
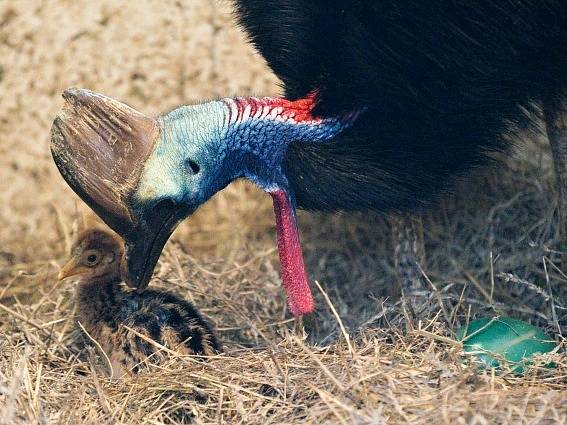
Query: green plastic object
[[497, 340]]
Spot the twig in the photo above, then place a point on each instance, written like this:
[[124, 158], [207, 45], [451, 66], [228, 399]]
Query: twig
[[324, 368], [21, 317], [98, 387], [100, 348], [553, 312], [440, 338], [340, 322]]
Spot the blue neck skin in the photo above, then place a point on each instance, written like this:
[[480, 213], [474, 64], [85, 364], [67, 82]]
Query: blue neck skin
[[202, 148]]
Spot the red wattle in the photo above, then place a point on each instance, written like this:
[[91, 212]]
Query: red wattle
[[293, 272]]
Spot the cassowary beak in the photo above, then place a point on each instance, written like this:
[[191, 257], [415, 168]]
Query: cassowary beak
[[101, 146]]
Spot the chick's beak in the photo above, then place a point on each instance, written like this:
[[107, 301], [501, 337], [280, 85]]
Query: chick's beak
[[70, 269]]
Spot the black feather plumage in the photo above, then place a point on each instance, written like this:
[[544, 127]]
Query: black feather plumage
[[442, 81]]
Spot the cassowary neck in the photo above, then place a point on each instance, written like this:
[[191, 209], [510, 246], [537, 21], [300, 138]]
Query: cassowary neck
[[258, 131], [232, 138], [202, 148]]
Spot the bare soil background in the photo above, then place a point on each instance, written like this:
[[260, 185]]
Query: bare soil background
[[490, 251]]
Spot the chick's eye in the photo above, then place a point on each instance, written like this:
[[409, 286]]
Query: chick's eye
[[92, 259]]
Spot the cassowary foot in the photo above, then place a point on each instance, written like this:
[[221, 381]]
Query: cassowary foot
[[409, 255], [555, 112]]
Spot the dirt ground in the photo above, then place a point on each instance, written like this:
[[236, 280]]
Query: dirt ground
[[490, 249]]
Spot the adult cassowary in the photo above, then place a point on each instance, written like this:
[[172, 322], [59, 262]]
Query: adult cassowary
[[386, 102]]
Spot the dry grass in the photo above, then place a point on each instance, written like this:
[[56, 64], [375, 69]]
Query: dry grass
[[490, 251], [272, 371]]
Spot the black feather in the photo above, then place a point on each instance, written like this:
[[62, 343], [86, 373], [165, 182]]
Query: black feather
[[442, 82]]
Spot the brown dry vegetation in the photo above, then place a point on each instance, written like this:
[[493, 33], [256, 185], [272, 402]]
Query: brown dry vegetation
[[490, 251]]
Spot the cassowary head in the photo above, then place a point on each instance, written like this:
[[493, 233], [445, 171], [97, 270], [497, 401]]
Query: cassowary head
[[143, 175]]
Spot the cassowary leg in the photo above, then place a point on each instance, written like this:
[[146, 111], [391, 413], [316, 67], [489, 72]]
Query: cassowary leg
[[555, 112], [409, 255]]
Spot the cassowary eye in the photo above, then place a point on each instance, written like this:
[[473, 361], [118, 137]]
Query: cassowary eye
[[192, 166]]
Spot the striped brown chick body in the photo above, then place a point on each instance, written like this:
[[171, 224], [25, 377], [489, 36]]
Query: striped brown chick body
[[132, 328]]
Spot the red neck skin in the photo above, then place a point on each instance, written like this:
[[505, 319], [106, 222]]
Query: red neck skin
[[263, 129], [241, 109], [293, 273]]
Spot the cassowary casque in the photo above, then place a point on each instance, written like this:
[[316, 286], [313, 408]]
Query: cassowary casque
[[386, 103]]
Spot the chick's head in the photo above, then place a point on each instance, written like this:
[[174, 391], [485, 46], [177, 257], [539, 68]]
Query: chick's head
[[95, 255]]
